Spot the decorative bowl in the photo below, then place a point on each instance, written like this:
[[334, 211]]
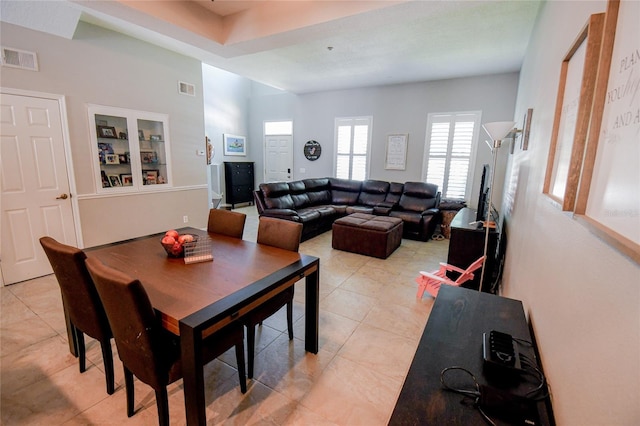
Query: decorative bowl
[[176, 250]]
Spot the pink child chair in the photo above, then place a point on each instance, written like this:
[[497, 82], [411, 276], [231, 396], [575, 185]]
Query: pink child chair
[[431, 281]]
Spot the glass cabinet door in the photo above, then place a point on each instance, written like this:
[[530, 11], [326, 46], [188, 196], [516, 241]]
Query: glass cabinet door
[[153, 153], [114, 153], [124, 165]]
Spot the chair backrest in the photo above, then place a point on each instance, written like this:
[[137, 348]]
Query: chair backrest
[[226, 222], [79, 294], [468, 273], [136, 329], [284, 234]]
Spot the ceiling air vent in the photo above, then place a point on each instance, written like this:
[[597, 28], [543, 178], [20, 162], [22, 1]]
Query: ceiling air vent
[[17, 58], [186, 88]]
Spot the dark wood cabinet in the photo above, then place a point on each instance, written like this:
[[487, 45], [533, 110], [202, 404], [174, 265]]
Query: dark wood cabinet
[[239, 182], [466, 244]]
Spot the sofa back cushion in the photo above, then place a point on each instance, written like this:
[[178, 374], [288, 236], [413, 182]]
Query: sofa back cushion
[[276, 195], [345, 191], [373, 192], [395, 192], [318, 191], [299, 194], [419, 196]]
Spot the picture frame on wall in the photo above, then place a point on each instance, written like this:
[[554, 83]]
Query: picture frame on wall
[[234, 144], [612, 155], [396, 153], [526, 129], [578, 73]]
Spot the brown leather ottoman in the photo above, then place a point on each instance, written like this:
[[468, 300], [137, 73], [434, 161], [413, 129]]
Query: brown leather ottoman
[[361, 233]]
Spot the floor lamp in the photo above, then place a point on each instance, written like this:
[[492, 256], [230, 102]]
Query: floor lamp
[[497, 131]]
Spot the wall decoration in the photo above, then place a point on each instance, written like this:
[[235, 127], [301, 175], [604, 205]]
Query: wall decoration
[[396, 156], [209, 149], [312, 150], [608, 200], [526, 129], [234, 145], [573, 110]]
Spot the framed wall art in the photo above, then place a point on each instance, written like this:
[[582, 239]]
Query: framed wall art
[[396, 155], [572, 114], [234, 145], [608, 200]]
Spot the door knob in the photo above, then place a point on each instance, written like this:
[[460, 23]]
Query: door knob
[[62, 197]]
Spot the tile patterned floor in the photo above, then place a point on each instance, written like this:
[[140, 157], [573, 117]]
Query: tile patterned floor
[[370, 324]]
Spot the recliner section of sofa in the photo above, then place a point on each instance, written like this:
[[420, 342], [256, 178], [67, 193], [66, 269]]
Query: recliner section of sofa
[[318, 202]]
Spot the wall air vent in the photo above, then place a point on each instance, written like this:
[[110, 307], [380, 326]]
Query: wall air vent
[[16, 58], [186, 88]]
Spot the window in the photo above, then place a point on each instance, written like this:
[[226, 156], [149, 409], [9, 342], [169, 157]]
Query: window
[[278, 128], [450, 152], [353, 138]]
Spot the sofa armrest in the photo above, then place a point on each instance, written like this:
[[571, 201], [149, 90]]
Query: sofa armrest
[[383, 209], [287, 214], [430, 212]]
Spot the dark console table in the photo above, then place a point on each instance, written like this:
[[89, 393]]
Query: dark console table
[[453, 337], [466, 244]]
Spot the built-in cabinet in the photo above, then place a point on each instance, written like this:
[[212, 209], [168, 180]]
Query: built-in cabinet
[[131, 149]]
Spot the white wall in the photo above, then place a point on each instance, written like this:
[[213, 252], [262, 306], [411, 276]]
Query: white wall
[[102, 67], [226, 110], [395, 109], [581, 295]]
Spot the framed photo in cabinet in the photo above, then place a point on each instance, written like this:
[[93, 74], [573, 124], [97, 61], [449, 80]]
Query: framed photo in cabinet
[[112, 158], [126, 179], [114, 180], [107, 132]]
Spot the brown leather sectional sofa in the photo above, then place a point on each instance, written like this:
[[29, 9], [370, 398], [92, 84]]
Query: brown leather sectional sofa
[[318, 202]]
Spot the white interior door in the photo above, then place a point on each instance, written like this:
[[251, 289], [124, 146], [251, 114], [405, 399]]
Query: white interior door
[[35, 192], [278, 164]]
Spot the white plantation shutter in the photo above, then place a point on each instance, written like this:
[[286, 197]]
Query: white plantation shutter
[[450, 139], [353, 137]]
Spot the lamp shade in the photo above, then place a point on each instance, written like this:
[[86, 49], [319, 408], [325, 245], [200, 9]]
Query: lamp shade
[[498, 130]]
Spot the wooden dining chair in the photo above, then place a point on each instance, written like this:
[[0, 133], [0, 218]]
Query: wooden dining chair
[[226, 222], [83, 309], [432, 281], [286, 235], [146, 349]]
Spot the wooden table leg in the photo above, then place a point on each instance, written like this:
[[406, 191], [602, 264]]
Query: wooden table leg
[[193, 375], [312, 300]]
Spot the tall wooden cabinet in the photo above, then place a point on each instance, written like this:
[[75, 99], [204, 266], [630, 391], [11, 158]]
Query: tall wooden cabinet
[[239, 182]]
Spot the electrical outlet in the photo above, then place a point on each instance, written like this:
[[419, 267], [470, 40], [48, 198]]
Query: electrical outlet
[[185, 219]]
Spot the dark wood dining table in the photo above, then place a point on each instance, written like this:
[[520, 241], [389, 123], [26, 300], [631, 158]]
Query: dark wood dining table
[[194, 300]]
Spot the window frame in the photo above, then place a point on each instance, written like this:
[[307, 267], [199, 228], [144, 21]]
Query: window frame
[[453, 117], [352, 122]]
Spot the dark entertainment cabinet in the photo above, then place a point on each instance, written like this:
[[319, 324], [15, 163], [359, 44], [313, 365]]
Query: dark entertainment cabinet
[[466, 244], [239, 182]]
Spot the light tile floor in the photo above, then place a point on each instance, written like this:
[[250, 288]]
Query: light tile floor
[[370, 325]]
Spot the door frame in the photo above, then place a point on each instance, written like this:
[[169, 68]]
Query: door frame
[[66, 143]]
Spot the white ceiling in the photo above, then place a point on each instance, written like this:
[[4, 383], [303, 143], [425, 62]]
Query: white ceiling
[[285, 43]]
